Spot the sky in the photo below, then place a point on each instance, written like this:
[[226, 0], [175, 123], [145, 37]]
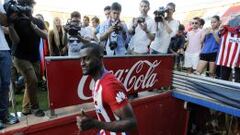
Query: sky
[[129, 7]]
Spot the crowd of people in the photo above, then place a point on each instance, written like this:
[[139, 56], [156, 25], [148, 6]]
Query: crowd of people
[[194, 49]]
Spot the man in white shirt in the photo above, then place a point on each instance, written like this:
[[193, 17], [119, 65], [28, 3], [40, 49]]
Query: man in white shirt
[[166, 28], [142, 30]]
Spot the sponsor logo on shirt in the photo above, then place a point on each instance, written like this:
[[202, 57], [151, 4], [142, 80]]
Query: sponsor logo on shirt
[[120, 97]]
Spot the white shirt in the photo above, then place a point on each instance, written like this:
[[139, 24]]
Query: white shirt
[[139, 41], [87, 32], [162, 39], [3, 42]]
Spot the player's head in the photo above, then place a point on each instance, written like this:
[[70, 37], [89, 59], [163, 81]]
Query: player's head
[[91, 56]]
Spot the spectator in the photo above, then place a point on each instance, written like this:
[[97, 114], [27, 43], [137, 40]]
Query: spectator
[[176, 46], [210, 47], [96, 27], [87, 28], [86, 21], [107, 11], [166, 28], [57, 39], [114, 116], [194, 45], [142, 32], [115, 32], [40, 17], [76, 40], [25, 32], [229, 55]]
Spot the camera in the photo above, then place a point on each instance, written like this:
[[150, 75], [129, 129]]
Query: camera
[[13, 7], [72, 27], [117, 28], [160, 14], [114, 36], [113, 42], [140, 20]]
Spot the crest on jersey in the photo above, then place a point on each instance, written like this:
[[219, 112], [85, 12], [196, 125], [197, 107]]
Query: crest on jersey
[[120, 97]]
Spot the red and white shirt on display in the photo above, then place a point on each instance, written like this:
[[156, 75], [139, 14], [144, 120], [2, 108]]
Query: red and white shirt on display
[[109, 95], [229, 53]]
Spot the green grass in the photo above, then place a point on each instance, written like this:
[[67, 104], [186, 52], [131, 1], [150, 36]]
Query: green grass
[[42, 98]]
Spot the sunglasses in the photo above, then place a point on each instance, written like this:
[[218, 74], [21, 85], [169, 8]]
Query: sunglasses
[[71, 41]]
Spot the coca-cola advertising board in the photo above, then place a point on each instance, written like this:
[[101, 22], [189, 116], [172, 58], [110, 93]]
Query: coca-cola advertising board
[[67, 86]]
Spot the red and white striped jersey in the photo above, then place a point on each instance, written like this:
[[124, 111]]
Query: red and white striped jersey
[[109, 95], [229, 52]]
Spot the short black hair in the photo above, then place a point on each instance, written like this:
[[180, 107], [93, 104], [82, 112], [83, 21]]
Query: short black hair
[[146, 2], [181, 27], [202, 22], [27, 2], [97, 50], [116, 6], [107, 8], [40, 16], [216, 17], [75, 14]]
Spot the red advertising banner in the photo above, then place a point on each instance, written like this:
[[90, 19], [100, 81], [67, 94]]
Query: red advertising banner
[[67, 86]]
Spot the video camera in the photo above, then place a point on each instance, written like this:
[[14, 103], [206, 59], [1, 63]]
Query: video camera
[[14, 7], [160, 14], [140, 20], [72, 27]]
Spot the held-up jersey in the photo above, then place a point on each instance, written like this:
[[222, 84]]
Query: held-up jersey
[[109, 95], [229, 53]]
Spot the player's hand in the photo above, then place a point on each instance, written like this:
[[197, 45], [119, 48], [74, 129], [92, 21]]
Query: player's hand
[[84, 122]]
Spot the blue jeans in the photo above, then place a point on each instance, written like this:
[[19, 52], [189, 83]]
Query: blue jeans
[[5, 75]]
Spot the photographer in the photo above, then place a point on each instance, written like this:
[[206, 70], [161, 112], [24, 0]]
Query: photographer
[[115, 32], [166, 28], [25, 32], [142, 31], [77, 35]]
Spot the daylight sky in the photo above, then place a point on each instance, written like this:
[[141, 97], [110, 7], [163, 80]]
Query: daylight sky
[[129, 7]]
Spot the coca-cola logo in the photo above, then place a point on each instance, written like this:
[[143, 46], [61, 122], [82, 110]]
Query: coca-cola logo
[[141, 75]]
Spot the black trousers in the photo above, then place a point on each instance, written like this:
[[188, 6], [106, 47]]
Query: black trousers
[[225, 73]]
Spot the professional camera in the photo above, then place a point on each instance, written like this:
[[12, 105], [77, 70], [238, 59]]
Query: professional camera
[[113, 41], [14, 7], [72, 27], [160, 14], [140, 20], [117, 28], [114, 36]]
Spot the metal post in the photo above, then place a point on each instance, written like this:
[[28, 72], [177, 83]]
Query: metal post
[[52, 114]]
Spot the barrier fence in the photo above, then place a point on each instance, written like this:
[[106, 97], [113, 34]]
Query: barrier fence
[[67, 86]]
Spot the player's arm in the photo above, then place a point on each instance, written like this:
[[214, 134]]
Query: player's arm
[[127, 121]]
